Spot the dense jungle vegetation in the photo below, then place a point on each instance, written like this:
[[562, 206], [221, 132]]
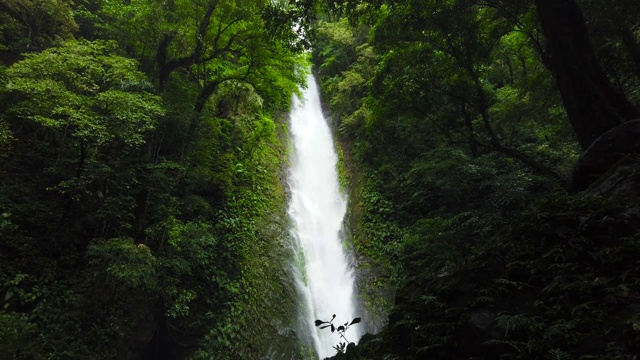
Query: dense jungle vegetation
[[490, 149], [142, 211], [494, 168]]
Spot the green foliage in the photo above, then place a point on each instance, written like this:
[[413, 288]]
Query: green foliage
[[215, 41], [252, 225], [79, 113], [123, 262], [29, 25], [6, 138], [141, 200], [615, 42], [82, 87], [141, 204], [16, 337], [538, 285], [456, 144]]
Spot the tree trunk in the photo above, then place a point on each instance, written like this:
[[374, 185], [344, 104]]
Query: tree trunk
[[592, 103]]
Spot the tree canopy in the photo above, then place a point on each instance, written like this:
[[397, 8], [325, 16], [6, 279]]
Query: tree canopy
[[461, 122], [141, 145]]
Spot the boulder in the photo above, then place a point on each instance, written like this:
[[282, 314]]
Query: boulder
[[603, 155]]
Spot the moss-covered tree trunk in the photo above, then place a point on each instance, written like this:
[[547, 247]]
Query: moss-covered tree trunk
[[592, 103]]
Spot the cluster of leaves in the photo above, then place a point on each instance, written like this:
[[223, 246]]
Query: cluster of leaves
[[341, 329], [141, 201]]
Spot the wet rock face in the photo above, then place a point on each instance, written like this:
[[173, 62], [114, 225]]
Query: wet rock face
[[610, 162]]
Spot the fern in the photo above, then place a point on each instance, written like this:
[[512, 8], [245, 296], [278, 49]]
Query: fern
[[514, 284], [390, 357], [559, 331], [484, 300], [514, 322], [430, 299], [516, 345], [557, 354]]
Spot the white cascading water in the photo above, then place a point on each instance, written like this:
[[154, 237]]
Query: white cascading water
[[324, 277]]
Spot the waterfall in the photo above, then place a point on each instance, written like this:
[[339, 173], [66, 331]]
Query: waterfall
[[324, 278]]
